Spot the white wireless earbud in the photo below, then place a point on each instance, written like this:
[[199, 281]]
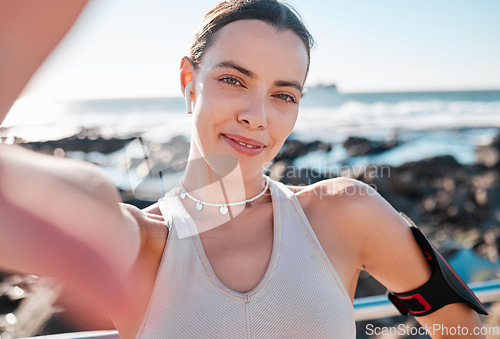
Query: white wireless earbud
[[187, 96]]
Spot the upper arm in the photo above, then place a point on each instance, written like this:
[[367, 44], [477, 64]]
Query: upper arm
[[390, 253], [389, 250], [381, 241]]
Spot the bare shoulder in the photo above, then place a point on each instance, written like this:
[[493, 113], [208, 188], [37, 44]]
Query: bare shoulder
[[151, 224], [158, 228], [340, 208], [379, 235], [355, 207], [329, 194], [152, 209]]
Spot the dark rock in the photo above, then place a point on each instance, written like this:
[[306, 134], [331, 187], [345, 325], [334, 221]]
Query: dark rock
[[139, 203], [79, 143], [489, 155], [293, 149], [488, 245], [432, 167], [361, 146], [439, 191], [302, 177], [406, 183], [278, 169], [7, 305]]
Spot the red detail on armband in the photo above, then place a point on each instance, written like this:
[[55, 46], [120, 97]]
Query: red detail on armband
[[402, 308], [427, 256], [421, 300]]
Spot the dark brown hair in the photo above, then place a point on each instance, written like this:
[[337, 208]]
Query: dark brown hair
[[279, 15]]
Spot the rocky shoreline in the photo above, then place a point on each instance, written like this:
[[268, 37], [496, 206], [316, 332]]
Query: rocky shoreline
[[456, 205]]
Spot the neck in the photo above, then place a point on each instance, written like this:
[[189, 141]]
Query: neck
[[218, 178]]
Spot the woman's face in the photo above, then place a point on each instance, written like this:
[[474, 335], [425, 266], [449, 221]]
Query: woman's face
[[247, 91]]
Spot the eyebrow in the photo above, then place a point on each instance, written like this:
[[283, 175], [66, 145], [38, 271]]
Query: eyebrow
[[230, 64], [282, 83], [250, 74]]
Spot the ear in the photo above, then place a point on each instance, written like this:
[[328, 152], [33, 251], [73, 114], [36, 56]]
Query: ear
[[186, 75]]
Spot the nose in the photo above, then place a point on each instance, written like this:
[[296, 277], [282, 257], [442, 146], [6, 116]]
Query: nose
[[254, 114]]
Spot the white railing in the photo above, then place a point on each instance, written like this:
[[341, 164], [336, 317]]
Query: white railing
[[367, 308], [82, 335]]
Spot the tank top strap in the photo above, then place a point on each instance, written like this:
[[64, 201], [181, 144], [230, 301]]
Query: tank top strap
[[175, 216], [282, 189]]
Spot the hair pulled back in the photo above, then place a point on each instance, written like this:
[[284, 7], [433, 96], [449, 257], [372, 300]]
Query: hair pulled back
[[279, 15]]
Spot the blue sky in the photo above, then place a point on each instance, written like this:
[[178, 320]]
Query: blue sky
[[130, 48]]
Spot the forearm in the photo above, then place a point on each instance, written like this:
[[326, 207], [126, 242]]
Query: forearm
[[67, 226], [74, 197], [451, 321]]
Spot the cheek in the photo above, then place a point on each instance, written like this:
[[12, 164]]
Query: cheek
[[208, 116], [210, 107], [286, 123], [283, 127]]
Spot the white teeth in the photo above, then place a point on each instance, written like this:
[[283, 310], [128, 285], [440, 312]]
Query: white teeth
[[246, 145]]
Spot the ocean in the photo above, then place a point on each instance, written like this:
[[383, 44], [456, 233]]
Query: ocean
[[324, 113]]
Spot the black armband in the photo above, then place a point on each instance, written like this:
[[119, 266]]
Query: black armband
[[444, 286]]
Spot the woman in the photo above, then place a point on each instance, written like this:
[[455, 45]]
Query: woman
[[230, 253], [235, 262]]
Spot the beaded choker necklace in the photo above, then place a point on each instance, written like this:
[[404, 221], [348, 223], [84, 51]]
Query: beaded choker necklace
[[223, 208]]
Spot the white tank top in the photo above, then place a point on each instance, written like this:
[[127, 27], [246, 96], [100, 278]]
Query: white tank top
[[300, 295]]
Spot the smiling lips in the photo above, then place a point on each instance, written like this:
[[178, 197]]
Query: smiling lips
[[244, 145]]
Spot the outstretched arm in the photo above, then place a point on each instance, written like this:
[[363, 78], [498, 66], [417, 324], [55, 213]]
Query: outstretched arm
[[57, 217]]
